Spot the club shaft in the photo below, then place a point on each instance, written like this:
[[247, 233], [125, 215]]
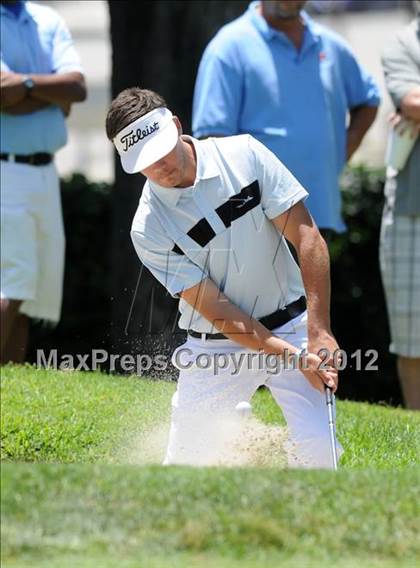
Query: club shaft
[[331, 424]]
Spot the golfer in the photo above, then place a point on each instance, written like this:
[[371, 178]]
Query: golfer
[[211, 226]]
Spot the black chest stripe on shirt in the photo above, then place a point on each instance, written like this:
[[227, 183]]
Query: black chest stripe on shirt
[[201, 233], [177, 249], [232, 209], [239, 204]]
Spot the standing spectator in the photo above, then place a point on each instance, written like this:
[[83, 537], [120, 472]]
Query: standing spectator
[[400, 231], [290, 82], [40, 78]]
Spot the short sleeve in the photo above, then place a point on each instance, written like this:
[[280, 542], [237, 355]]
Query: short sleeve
[[3, 64], [217, 95], [402, 72], [360, 86], [280, 190], [64, 55], [168, 264]]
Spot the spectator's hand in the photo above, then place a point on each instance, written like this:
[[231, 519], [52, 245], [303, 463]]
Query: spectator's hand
[[12, 87], [401, 124], [66, 108]]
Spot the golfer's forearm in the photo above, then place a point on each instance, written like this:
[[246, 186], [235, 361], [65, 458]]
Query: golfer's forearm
[[315, 268], [249, 332], [234, 323], [59, 89]]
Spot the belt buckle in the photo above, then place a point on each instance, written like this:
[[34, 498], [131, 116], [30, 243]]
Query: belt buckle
[[11, 158], [31, 159]]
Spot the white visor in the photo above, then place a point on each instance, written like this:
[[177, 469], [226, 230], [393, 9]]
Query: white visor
[[146, 140]]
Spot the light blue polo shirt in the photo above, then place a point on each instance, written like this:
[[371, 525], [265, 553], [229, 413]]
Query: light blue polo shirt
[[251, 79], [220, 228], [35, 41]]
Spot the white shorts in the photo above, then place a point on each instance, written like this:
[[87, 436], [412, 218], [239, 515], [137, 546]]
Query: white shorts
[[32, 239], [204, 398]]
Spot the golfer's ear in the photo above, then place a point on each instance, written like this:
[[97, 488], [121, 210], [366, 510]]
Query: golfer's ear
[[178, 124]]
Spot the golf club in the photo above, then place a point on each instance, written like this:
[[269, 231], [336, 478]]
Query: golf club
[[331, 424]]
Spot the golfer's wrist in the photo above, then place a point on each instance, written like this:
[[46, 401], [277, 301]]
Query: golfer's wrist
[[296, 358]]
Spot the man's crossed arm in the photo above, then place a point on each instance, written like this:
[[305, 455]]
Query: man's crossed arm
[[50, 89]]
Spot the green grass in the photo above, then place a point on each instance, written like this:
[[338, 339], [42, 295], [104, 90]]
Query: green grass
[[125, 511], [65, 416], [373, 436], [98, 511]]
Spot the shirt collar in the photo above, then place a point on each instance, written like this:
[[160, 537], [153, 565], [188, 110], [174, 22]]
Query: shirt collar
[[206, 169], [270, 33], [23, 14]]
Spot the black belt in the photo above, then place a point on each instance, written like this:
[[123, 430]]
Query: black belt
[[276, 319], [40, 159]]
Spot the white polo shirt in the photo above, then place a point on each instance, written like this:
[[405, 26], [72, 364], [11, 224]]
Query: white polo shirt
[[220, 229]]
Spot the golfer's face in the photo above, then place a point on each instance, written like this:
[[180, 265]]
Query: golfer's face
[[168, 171]]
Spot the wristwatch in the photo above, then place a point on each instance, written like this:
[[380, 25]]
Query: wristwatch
[[29, 84]]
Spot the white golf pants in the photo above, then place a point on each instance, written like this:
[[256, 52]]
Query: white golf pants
[[206, 394]]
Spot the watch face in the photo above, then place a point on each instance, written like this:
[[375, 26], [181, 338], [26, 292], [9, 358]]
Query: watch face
[[28, 83]]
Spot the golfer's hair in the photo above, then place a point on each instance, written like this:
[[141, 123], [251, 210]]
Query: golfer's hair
[[128, 106]]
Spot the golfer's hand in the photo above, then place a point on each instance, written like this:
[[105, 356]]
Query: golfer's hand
[[318, 372], [324, 344]]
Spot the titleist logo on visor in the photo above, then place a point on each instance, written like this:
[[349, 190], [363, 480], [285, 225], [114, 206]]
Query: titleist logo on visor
[[133, 137]]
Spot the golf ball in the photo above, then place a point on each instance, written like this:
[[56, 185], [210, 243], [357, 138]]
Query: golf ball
[[243, 409]]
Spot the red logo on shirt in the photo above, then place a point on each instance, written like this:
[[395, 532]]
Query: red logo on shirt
[[322, 55]]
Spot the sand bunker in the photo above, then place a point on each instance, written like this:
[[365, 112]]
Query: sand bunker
[[235, 441]]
